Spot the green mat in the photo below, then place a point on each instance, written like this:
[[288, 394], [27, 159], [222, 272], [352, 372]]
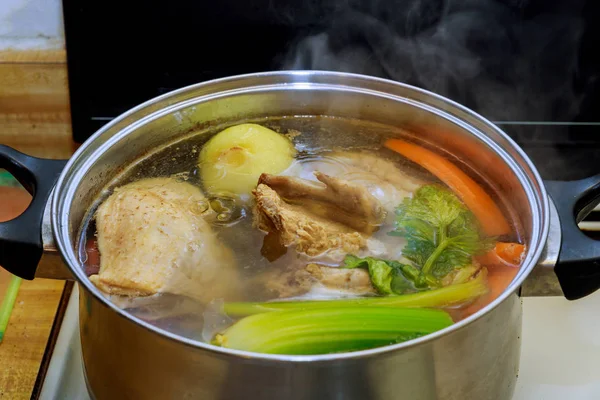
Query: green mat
[[6, 179]]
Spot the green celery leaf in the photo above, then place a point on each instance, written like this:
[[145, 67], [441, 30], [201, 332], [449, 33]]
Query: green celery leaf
[[380, 272], [351, 261], [418, 251], [431, 204], [400, 284], [388, 277], [381, 276], [442, 233]]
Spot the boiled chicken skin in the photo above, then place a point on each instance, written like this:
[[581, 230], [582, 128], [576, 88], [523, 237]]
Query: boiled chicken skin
[[355, 280], [330, 281], [294, 225], [152, 238], [381, 177], [335, 199]]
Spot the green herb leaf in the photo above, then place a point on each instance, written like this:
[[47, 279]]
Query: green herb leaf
[[380, 272], [442, 234], [401, 284], [351, 262], [388, 277], [381, 276]]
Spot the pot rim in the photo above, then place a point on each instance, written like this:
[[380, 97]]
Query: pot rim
[[60, 223]]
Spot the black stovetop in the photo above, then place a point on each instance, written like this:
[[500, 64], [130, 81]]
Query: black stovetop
[[529, 65]]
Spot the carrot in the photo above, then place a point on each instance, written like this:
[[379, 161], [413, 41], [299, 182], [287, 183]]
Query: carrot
[[476, 199], [498, 279], [92, 265], [512, 253], [506, 254], [502, 264]]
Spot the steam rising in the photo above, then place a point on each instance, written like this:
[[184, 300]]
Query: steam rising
[[498, 58], [481, 53]]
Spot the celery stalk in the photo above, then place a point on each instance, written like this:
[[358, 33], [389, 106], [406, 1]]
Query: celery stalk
[[8, 303], [436, 298], [329, 330]]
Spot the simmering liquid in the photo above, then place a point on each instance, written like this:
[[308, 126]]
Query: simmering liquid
[[265, 268]]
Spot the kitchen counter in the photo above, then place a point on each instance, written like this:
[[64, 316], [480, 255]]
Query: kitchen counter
[[561, 346], [23, 348], [34, 119]]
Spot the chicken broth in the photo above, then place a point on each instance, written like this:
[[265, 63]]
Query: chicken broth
[[214, 235]]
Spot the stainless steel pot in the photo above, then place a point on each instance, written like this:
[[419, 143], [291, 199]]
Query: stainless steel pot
[[125, 358]]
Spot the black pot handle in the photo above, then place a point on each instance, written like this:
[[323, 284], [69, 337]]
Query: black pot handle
[[578, 266], [21, 238]]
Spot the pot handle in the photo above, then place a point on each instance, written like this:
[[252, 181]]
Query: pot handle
[[578, 265], [21, 244]]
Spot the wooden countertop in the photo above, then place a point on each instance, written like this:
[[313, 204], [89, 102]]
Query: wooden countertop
[[23, 347], [34, 118]]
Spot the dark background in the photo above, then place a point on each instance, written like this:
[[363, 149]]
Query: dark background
[[530, 66]]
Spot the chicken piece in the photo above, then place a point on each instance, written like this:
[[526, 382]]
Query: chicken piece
[[381, 177], [289, 282], [309, 233], [332, 198], [153, 239], [293, 282], [355, 280]]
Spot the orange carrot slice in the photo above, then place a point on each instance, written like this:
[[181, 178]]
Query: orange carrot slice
[[512, 253], [92, 264], [506, 254], [476, 199], [498, 279]]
